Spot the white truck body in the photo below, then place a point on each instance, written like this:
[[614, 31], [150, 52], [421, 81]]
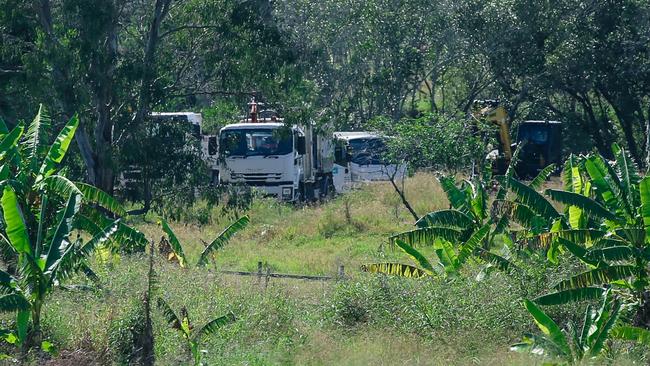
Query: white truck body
[[364, 161], [132, 174], [290, 163]]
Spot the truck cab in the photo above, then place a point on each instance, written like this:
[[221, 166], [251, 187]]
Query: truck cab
[[291, 163], [364, 158]]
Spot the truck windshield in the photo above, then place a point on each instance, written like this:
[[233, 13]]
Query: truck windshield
[[367, 151], [252, 142]]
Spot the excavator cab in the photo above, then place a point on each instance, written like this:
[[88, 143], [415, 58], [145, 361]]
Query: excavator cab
[[541, 146], [540, 140]]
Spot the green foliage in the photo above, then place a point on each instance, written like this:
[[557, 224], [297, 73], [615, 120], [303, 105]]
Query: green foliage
[[219, 242], [579, 342], [425, 142], [190, 334], [464, 232], [40, 208]]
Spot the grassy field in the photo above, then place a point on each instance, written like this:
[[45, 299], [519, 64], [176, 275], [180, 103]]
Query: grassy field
[[364, 319]]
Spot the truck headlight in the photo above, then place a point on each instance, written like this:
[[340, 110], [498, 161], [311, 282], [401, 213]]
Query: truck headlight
[[287, 192]]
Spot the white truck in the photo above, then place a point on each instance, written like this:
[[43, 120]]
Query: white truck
[[209, 146], [289, 162], [360, 155]]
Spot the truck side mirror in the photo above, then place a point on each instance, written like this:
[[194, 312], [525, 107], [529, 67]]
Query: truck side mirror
[[348, 153], [300, 145]]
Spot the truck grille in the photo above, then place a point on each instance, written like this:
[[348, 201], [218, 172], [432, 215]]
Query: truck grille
[[256, 177]]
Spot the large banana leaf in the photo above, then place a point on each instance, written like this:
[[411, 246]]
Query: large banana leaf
[[597, 276], [214, 325], [531, 198], [585, 237], [548, 327], [612, 253], [578, 251], [628, 175], [588, 205], [468, 247], [644, 189], [478, 201], [427, 235], [125, 238], [14, 222], [445, 218], [394, 269], [59, 148], [417, 256], [9, 141], [95, 195], [222, 239], [570, 295], [174, 243], [36, 138], [571, 175], [518, 213], [542, 177], [602, 334], [606, 187], [447, 256], [60, 185], [456, 197], [630, 333], [13, 302], [60, 241]]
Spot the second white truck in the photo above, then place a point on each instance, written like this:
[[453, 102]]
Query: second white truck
[[364, 160]]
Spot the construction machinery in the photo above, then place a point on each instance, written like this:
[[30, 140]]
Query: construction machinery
[[539, 141], [290, 162]]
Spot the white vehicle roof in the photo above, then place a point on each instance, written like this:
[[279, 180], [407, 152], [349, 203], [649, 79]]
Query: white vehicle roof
[[192, 117], [355, 135], [241, 126]]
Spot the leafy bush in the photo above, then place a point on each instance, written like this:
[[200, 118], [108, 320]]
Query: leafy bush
[[425, 142]]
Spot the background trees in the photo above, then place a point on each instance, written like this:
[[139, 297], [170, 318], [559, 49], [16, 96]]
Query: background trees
[[344, 63]]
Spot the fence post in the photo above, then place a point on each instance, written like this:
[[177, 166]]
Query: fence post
[[268, 275], [259, 273], [341, 272]]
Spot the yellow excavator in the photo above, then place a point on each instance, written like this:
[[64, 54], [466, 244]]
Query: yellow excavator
[[541, 140]]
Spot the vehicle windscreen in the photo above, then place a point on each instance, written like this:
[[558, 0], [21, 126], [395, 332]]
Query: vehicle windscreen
[[253, 142], [536, 134], [367, 151]]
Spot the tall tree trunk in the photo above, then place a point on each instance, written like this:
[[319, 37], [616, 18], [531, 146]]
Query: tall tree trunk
[[161, 9], [65, 86]]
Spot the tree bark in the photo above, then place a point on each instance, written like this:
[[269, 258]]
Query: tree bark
[[65, 88]]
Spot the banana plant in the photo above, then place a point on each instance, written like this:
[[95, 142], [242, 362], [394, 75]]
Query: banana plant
[[578, 343], [464, 231], [190, 334], [173, 249], [605, 225], [40, 210]]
